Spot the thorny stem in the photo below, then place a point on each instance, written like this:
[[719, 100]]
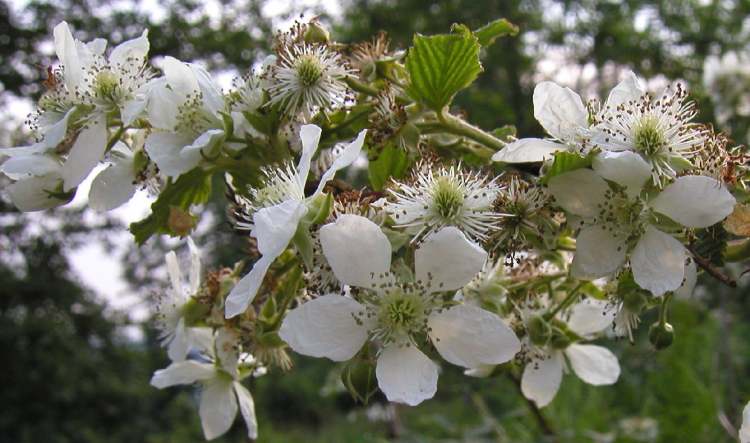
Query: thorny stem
[[566, 302], [544, 424]]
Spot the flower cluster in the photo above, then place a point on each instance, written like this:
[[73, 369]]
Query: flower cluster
[[454, 253]]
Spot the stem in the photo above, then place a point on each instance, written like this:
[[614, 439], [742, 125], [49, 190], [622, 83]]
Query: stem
[[455, 125], [352, 117], [115, 138], [486, 414], [711, 269], [544, 424], [360, 87], [664, 308], [565, 303]]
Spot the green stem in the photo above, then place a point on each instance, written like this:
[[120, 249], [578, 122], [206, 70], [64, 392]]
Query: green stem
[[566, 302], [351, 118], [115, 138], [457, 126], [664, 307], [360, 87]]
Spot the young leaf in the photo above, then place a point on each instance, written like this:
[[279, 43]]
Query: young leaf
[[565, 162], [391, 163], [191, 188], [488, 33], [440, 66]]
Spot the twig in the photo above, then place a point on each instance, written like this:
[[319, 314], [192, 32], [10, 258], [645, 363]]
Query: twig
[[481, 406], [711, 269]]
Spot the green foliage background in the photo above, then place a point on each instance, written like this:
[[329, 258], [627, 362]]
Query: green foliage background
[[70, 375]]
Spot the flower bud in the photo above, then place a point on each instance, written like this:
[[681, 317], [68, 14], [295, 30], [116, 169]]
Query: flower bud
[[540, 331], [661, 335], [316, 33], [634, 301]]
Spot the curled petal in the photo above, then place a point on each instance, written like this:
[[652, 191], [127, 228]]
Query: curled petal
[[559, 110], [528, 150]]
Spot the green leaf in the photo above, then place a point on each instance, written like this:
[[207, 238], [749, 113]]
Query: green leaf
[[440, 66], [391, 163], [505, 133], [565, 162], [191, 188], [487, 34]]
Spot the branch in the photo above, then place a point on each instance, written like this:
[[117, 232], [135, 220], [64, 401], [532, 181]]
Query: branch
[[712, 269]]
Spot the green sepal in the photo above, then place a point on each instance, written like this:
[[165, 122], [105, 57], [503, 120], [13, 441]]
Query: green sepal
[[565, 161], [359, 379], [303, 242]]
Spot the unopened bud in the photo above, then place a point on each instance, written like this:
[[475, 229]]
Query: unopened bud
[[661, 335], [316, 33]]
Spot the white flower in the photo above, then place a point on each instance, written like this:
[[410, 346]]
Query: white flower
[[659, 130], [86, 88], [177, 337], [444, 197], [222, 391], [562, 114], [595, 365], [726, 79], [744, 433], [618, 224], [308, 78], [183, 107], [278, 209], [116, 184], [399, 314]]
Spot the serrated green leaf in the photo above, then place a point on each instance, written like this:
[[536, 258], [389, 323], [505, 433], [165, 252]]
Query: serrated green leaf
[[441, 65], [391, 163], [487, 34], [565, 162], [191, 188]]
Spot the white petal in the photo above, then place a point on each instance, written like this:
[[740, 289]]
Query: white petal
[[67, 53], [206, 145], [179, 76], [593, 364], [356, 249], [23, 166], [658, 262], [448, 260], [695, 201], [164, 149], [195, 266], [629, 89], [130, 51], [579, 191], [113, 186], [325, 327], [174, 273], [247, 288], [161, 102], [528, 150], [482, 371], [56, 132], [213, 100], [469, 336], [227, 350], [218, 407], [247, 409], [310, 136], [598, 253], [590, 316], [182, 373], [688, 284], [406, 375], [625, 168], [85, 154], [179, 345], [559, 110], [745, 428], [275, 226], [541, 379], [345, 158], [32, 194]]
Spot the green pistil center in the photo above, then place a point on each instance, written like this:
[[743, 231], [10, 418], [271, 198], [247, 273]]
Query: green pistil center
[[649, 139], [448, 198], [309, 70]]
